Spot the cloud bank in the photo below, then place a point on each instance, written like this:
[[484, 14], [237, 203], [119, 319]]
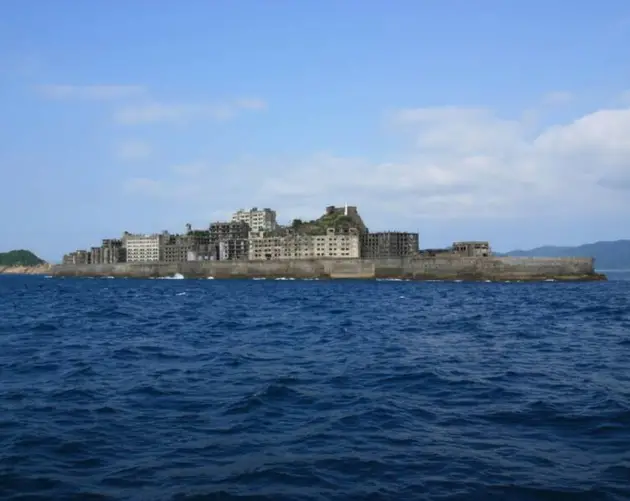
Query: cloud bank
[[459, 163]]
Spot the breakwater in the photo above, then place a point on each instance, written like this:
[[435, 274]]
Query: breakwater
[[414, 268]]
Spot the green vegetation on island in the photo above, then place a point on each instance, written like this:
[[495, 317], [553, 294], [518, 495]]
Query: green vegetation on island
[[19, 258], [319, 226], [613, 255]]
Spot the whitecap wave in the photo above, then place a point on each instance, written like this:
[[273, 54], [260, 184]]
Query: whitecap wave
[[177, 276]]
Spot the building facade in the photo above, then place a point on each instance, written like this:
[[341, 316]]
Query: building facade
[[144, 248], [78, 257], [96, 255], [113, 251], [233, 230], [341, 243], [256, 219], [175, 248], [472, 249], [229, 240], [254, 234], [389, 244], [230, 249]]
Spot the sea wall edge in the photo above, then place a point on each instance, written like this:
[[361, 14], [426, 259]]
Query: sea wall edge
[[413, 268]]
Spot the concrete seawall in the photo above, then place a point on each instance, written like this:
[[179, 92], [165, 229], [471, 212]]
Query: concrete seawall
[[417, 268]]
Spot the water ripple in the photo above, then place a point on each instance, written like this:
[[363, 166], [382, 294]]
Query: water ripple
[[313, 390]]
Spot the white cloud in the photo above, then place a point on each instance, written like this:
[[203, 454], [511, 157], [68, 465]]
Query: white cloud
[[182, 113], [465, 130], [133, 150], [90, 92], [462, 163], [603, 132]]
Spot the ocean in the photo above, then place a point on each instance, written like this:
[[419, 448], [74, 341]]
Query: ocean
[[191, 390]]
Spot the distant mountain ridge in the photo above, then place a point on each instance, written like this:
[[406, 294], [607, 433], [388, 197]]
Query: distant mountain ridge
[[609, 255]]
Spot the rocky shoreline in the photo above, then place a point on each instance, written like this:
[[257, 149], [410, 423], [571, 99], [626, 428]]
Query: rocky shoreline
[[41, 269]]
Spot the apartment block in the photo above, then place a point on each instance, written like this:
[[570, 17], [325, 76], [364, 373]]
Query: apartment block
[[333, 244], [343, 243], [294, 246], [233, 230], [257, 219], [233, 249], [144, 248], [389, 244], [175, 248]]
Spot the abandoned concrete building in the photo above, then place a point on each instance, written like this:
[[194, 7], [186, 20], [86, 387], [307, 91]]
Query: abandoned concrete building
[[96, 255], [77, 257], [335, 243], [389, 244], [232, 230], [113, 251], [229, 240], [254, 234], [257, 219], [144, 248], [472, 249], [175, 249], [466, 249]]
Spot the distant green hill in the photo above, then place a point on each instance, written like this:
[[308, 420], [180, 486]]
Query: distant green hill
[[608, 255], [19, 258]]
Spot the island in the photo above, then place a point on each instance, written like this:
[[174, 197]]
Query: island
[[23, 262], [337, 245]]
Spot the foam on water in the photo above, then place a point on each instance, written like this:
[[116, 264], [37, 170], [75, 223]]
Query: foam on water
[[176, 276]]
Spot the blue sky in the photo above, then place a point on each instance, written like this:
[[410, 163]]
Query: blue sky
[[497, 120]]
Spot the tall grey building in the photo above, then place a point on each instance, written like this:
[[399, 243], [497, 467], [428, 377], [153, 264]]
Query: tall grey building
[[257, 219]]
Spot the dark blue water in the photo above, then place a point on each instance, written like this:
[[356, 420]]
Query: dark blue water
[[295, 390]]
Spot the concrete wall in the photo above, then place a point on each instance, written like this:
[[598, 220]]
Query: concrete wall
[[499, 268], [438, 268]]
